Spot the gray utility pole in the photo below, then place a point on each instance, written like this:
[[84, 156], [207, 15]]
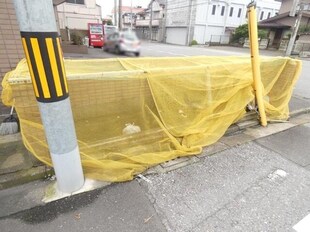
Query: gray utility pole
[[42, 49], [295, 31], [151, 19], [115, 12], [164, 22], [131, 15], [294, 8], [120, 15], [189, 22]]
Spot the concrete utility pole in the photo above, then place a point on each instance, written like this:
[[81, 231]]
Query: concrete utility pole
[[295, 31], [294, 8], [115, 12], [42, 49], [164, 22], [119, 15], [131, 15], [189, 22], [151, 19]]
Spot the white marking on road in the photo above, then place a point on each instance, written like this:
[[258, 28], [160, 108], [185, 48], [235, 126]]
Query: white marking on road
[[170, 53], [303, 225]]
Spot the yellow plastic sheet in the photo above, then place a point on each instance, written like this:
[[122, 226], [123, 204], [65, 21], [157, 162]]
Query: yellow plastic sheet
[[179, 104]]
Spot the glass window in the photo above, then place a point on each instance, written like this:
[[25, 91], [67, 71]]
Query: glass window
[[223, 10], [261, 15], [239, 12], [213, 9], [231, 12], [269, 14], [75, 1]]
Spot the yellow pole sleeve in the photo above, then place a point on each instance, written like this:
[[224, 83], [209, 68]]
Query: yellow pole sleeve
[[258, 86]]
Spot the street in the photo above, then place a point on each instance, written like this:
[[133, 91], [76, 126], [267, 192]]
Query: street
[[256, 179]]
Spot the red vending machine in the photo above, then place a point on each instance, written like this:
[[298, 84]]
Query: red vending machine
[[95, 34]]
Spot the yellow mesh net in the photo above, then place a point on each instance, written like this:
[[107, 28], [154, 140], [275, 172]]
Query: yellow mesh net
[[175, 105]]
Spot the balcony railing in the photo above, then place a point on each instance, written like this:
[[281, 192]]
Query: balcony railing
[[146, 22]]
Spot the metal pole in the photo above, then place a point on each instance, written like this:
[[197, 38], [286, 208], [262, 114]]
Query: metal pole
[[151, 19], [115, 12], [131, 15], [295, 31], [258, 86], [164, 22], [42, 49], [293, 8], [119, 15], [189, 22]]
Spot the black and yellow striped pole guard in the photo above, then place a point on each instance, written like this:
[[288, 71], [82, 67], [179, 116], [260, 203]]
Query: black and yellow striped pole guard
[[46, 66]]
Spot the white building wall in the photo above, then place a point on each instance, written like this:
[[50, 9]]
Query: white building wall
[[77, 16], [217, 18], [180, 17]]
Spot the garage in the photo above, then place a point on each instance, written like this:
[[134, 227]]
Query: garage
[[176, 35]]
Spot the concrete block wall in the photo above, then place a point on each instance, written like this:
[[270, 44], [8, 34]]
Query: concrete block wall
[[11, 51]]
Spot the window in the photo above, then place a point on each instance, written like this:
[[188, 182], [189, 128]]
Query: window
[[269, 14], [231, 12], [75, 1], [261, 15], [223, 10], [213, 9], [239, 12]]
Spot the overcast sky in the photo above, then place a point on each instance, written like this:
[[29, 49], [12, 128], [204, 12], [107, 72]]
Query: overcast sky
[[107, 5]]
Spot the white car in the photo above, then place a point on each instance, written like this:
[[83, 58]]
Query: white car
[[122, 42]]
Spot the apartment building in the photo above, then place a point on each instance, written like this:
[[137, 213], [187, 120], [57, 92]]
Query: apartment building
[[205, 21], [74, 15]]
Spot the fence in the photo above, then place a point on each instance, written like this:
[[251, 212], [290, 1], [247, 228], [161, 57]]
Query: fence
[[303, 49], [219, 40], [131, 114], [263, 43], [143, 33]]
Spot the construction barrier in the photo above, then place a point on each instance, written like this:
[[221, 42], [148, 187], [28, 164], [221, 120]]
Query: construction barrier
[[131, 114]]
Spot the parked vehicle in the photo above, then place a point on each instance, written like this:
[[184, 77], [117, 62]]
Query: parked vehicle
[[122, 42]]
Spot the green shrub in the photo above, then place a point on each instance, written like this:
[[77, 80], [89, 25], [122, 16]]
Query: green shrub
[[304, 29], [77, 38], [194, 42], [242, 32]]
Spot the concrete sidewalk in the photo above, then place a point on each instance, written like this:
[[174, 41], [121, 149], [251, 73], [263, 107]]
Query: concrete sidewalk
[[257, 179]]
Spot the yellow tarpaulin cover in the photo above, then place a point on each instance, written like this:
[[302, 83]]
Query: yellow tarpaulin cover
[[176, 106]]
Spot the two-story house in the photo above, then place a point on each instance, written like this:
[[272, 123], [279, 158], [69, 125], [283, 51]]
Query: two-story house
[[205, 21], [128, 16], [157, 23], [74, 15], [281, 26]]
